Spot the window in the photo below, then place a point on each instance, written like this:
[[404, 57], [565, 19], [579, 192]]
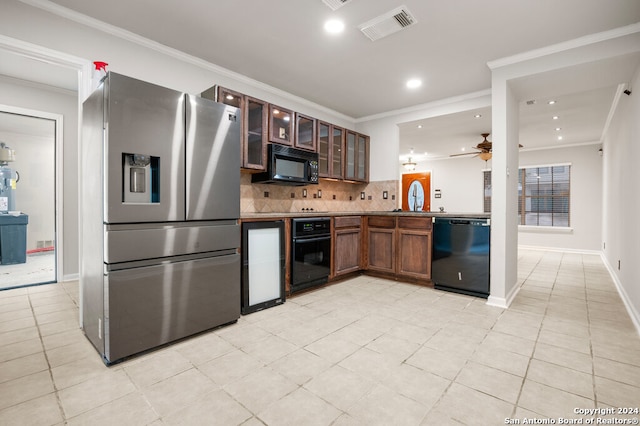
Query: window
[[543, 195]]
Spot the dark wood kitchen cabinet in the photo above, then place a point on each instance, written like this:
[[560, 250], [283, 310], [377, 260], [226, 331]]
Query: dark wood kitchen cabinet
[[305, 137], [356, 163], [254, 148], [281, 126], [414, 247], [254, 114], [347, 245], [381, 244], [330, 150]]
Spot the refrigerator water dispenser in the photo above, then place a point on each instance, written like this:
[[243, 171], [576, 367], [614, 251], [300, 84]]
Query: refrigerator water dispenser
[[140, 178]]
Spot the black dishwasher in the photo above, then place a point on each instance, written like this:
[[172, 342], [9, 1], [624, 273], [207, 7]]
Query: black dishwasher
[[460, 258]]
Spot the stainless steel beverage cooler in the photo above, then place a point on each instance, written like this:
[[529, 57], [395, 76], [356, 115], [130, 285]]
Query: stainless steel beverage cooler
[[160, 208]]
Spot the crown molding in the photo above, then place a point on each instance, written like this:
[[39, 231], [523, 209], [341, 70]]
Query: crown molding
[[564, 46], [429, 105], [175, 53]]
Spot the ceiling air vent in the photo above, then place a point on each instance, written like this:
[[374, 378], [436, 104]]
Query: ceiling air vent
[[335, 4], [389, 23]]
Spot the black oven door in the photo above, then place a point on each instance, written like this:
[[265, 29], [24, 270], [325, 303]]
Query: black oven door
[[310, 262]]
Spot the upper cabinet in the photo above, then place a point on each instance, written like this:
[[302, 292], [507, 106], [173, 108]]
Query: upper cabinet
[[255, 132], [254, 125], [330, 150], [305, 132], [356, 160], [280, 125], [342, 154]]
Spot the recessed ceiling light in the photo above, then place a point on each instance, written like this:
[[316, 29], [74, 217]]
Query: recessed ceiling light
[[414, 83], [463, 149], [334, 26], [555, 117], [558, 129], [551, 102], [478, 116], [559, 138], [230, 97], [419, 126]]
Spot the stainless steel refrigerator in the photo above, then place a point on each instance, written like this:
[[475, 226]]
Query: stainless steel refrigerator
[[160, 197]]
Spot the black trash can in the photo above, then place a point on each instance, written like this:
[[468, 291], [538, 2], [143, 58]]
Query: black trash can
[[13, 239]]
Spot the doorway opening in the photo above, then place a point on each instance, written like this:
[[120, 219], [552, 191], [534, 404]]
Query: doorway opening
[[28, 220]]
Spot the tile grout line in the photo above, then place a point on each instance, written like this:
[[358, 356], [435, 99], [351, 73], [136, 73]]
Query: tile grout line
[[535, 344], [46, 357], [593, 359]]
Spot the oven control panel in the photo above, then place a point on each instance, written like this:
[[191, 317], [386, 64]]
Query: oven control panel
[[311, 226]]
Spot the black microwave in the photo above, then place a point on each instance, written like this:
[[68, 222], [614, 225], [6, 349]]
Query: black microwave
[[289, 166]]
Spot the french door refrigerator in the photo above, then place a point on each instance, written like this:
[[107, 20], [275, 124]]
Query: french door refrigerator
[[160, 200]]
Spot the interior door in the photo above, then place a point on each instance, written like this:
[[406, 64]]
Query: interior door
[[416, 191]]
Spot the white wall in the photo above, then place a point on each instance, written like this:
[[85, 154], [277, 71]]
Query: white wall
[[460, 182], [586, 199], [40, 98], [621, 202]]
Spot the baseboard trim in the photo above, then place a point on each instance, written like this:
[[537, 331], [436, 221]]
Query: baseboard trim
[[504, 302], [633, 313], [71, 277], [560, 250]]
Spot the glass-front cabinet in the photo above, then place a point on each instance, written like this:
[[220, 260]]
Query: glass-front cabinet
[[342, 154], [305, 132], [330, 150], [227, 97], [254, 125], [337, 151], [280, 125], [362, 156], [255, 134], [356, 165]]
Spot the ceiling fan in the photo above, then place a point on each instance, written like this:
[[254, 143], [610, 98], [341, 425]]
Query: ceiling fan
[[483, 147]]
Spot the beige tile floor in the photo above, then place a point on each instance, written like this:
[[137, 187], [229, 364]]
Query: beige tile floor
[[362, 352]]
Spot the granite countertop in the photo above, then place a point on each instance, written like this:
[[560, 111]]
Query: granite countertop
[[280, 215]]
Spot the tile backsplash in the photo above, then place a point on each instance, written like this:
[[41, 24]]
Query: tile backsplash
[[331, 196]]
